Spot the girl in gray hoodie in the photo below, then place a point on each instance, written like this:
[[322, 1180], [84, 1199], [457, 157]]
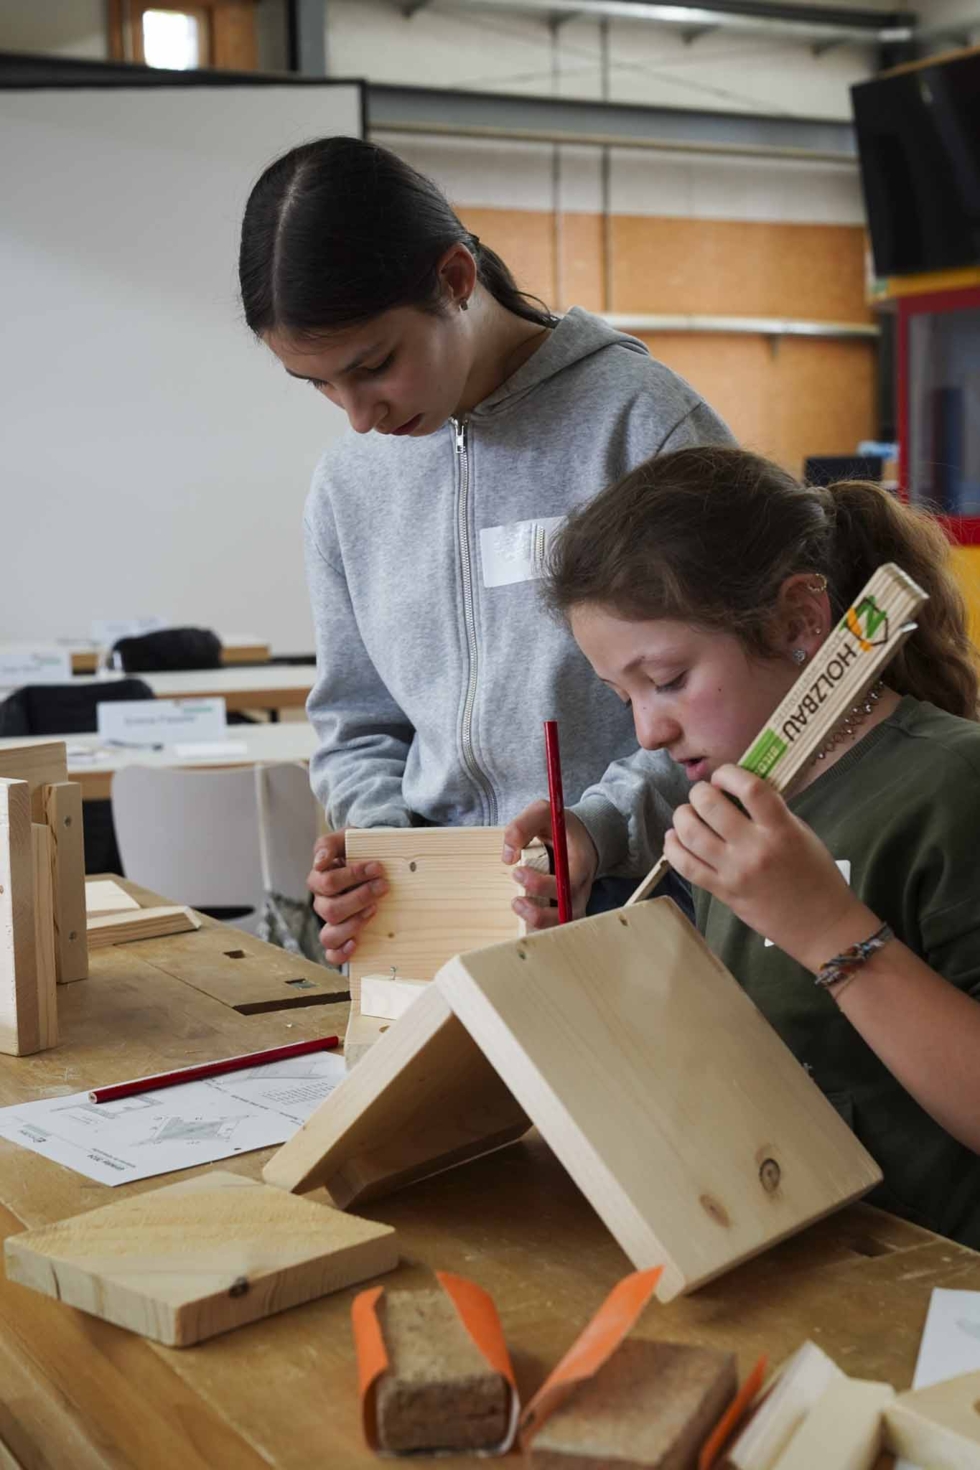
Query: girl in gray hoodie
[[478, 422]]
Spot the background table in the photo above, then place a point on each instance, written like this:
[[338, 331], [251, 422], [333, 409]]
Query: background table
[[77, 1393], [293, 740], [235, 649]]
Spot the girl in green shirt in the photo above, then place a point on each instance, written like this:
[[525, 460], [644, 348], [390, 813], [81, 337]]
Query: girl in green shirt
[[698, 587]]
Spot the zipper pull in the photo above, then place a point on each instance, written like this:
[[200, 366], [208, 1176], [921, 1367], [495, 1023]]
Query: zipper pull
[[460, 426]]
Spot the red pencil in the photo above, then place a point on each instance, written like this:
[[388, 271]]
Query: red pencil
[[558, 834], [211, 1069]]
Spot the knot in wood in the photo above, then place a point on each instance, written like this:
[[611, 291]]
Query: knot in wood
[[238, 1287], [770, 1174]]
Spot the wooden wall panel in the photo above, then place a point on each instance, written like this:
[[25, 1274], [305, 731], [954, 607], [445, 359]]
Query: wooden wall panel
[[739, 268], [525, 240], [787, 399]]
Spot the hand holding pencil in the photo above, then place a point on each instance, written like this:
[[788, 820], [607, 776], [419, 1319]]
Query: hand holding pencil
[[535, 905]]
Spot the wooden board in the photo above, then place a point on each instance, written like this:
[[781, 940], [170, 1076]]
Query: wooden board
[[171, 918], [243, 972], [63, 814], [422, 1098], [843, 1430], [44, 937], [105, 896], [19, 1017], [448, 892], [361, 1034], [183, 1263], [387, 998], [937, 1427], [691, 1128], [798, 1385], [38, 765]]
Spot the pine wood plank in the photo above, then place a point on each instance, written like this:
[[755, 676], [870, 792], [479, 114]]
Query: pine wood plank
[[789, 1396], [843, 1430], [106, 896], [191, 1260], [150, 923], [691, 1128], [423, 1098], [243, 972], [63, 814], [448, 892], [20, 1032], [38, 765], [937, 1427], [44, 936], [386, 998]]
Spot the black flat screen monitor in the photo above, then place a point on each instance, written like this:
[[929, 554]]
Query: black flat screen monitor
[[918, 135], [826, 469]]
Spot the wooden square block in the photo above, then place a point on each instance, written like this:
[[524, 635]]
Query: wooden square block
[[185, 1262]]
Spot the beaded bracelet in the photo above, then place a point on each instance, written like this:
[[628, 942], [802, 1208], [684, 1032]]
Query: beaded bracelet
[[852, 959]]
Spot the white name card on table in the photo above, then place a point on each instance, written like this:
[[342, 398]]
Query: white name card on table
[[107, 631], [23, 663], [148, 722]]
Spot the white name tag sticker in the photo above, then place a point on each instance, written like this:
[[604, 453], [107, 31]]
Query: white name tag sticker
[[22, 663], [844, 864], [107, 631], [517, 552], [148, 722]]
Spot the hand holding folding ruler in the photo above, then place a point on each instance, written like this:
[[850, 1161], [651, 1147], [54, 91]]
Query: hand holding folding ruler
[[849, 661]]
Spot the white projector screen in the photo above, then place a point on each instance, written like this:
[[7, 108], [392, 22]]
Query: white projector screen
[[154, 458]]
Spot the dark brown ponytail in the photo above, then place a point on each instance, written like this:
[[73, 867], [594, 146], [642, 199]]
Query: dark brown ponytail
[[708, 536], [870, 527]]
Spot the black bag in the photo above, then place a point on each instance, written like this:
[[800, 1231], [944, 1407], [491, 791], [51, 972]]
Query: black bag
[[170, 648]]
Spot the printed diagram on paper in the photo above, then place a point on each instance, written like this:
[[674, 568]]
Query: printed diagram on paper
[[177, 1127]]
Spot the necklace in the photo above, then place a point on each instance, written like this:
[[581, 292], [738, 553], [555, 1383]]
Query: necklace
[[855, 716]]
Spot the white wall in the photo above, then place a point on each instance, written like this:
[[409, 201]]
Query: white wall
[[55, 27], [490, 175], [649, 64], [153, 458]]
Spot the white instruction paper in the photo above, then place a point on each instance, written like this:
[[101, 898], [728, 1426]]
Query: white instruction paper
[[177, 1127]]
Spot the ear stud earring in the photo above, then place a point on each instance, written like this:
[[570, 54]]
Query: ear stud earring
[[799, 655]]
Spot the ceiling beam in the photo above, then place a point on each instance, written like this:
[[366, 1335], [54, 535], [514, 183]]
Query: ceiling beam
[[815, 23], [569, 120]]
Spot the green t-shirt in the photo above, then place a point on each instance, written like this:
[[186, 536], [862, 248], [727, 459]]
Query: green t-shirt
[[902, 808]]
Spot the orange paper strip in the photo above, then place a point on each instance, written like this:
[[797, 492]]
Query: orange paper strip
[[594, 1346], [478, 1315], [732, 1416], [372, 1355]]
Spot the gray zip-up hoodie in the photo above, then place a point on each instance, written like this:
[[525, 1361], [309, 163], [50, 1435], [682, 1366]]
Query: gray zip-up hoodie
[[436, 663]]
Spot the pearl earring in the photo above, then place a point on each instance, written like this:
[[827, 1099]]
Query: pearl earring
[[799, 655]]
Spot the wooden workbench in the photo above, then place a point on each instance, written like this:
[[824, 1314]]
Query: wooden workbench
[[77, 1393]]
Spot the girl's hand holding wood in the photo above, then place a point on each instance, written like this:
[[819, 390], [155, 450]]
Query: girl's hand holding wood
[[345, 896], [767, 866], [535, 906]]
